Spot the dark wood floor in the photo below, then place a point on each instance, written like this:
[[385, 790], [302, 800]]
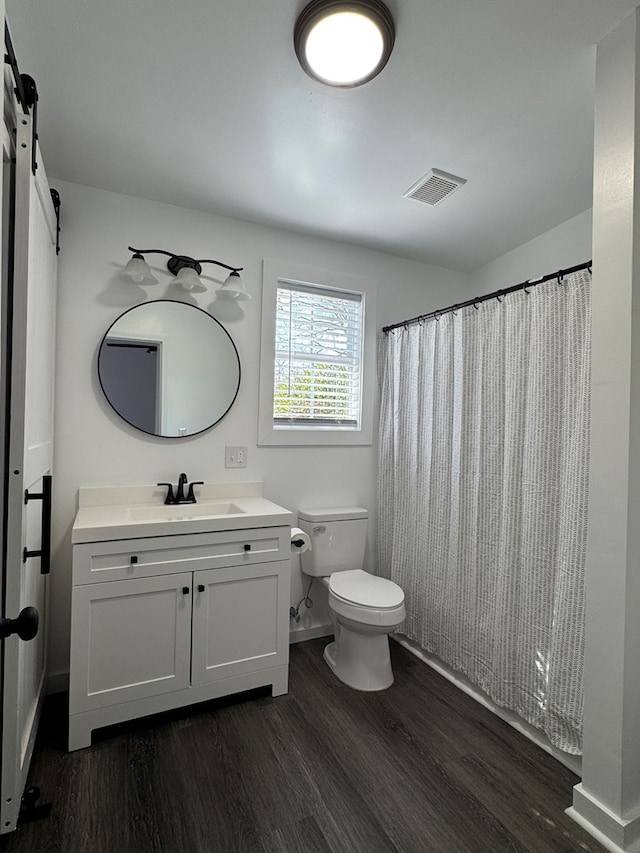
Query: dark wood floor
[[417, 768]]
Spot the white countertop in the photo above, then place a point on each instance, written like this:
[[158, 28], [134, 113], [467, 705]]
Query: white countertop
[[132, 512]]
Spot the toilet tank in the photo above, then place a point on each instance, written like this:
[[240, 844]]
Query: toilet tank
[[338, 537]]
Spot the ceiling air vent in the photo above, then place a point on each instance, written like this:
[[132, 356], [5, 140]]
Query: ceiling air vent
[[434, 187]]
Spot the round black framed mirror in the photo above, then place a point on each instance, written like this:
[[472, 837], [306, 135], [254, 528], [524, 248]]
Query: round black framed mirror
[[169, 369]]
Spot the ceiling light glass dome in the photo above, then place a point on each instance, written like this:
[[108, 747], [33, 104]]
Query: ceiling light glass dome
[[344, 43]]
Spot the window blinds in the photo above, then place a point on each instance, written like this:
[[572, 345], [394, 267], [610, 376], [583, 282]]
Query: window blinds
[[318, 357]]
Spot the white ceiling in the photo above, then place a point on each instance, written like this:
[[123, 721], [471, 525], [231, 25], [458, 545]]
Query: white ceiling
[[202, 104]]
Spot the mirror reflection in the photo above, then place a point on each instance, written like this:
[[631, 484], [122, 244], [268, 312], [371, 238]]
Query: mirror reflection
[[169, 368]]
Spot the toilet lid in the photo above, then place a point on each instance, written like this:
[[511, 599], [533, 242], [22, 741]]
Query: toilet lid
[[368, 590]]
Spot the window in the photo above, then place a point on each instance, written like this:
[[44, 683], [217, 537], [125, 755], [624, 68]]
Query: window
[[318, 343], [318, 357]]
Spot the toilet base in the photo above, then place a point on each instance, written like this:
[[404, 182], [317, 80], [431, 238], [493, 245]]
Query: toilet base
[[360, 661]]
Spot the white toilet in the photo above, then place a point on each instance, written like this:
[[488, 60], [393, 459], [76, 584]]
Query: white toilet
[[365, 608]]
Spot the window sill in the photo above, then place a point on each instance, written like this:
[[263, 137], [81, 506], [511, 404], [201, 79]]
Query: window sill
[[309, 436]]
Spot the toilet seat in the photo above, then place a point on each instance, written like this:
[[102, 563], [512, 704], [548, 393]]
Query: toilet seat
[[365, 590], [366, 599]]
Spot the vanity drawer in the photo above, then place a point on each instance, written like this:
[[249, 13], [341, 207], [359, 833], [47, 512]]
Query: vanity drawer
[[94, 562]]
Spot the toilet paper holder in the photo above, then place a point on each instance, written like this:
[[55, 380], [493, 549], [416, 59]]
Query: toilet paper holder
[[300, 541]]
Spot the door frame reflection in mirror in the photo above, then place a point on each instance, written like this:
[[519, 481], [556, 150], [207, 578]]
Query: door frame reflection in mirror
[[150, 336]]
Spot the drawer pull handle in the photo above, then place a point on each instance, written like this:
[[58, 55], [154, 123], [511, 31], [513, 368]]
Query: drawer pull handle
[[247, 547], [185, 590], [201, 587], [133, 560]]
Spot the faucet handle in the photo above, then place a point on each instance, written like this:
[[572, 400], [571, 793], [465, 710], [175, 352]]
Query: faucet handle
[[190, 495], [170, 499]]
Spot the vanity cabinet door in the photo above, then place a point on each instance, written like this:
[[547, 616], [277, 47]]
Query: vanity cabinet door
[[130, 640], [240, 621]]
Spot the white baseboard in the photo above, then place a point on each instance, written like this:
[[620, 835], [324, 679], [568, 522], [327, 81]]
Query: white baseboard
[[572, 762], [310, 633], [614, 833]]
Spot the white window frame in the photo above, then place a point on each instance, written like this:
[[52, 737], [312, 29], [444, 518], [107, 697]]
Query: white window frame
[[273, 273]]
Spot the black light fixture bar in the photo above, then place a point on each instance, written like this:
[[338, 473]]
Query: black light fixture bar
[[177, 262]]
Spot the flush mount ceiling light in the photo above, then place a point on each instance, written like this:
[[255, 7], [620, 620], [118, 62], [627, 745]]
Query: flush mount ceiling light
[[344, 43], [187, 271]]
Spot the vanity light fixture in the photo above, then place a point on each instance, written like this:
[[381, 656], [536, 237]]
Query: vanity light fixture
[[138, 270], [186, 270], [344, 43], [233, 288]]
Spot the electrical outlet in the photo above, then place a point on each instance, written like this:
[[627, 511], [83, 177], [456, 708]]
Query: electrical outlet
[[235, 457]]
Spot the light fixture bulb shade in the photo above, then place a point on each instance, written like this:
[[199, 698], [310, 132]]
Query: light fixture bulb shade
[[234, 288], [344, 42], [137, 270], [188, 279]]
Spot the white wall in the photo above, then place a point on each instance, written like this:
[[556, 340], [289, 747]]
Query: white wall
[[94, 447], [607, 802], [564, 246]]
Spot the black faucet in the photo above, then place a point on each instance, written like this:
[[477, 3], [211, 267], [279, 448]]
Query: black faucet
[[180, 497]]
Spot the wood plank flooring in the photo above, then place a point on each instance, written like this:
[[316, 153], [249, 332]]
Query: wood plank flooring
[[418, 768]]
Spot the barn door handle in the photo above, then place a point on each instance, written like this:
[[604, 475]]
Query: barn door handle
[[45, 539], [25, 625]]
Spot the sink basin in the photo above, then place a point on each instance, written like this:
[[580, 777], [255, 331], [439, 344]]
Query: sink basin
[[182, 512]]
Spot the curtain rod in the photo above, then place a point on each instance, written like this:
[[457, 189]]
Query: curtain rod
[[497, 294]]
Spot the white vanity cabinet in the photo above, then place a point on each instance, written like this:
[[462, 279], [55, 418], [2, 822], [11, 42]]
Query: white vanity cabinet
[[164, 621]]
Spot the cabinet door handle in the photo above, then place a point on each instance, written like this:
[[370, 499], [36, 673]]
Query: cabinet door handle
[[133, 560], [201, 587], [185, 590], [247, 547]]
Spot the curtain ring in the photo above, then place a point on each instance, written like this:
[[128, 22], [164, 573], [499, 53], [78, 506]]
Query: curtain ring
[[498, 295], [436, 314], [453, 310], [475, 304], [560, 276]]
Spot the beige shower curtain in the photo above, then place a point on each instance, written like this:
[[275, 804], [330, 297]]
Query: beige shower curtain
[[483, 475]]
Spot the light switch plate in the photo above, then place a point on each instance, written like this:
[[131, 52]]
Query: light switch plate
[[235, 456]]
